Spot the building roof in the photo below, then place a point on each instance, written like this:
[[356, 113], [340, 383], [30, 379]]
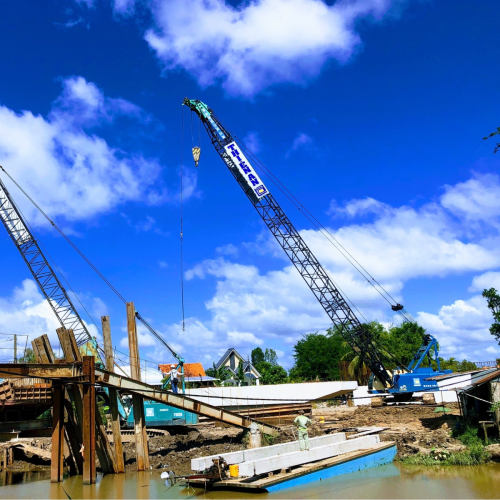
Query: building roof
[[190, 369], [480, 378], [226, 355], [247, 365]]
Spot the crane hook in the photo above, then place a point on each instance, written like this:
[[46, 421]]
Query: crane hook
[[196, 155]]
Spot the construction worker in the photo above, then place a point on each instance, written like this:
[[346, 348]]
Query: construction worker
[[174, 378], [302, 422]]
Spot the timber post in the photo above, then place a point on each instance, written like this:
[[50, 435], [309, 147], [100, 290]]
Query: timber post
[[104, 451], [141, 436], [89, 420], [57, 457], [113, 397]]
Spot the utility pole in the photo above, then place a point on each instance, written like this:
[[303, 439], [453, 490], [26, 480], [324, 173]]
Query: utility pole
[[15, 347]]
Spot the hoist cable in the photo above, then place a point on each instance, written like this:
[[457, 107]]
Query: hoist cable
[[326, 233], [94, 268], [67, 239], [182, 209]]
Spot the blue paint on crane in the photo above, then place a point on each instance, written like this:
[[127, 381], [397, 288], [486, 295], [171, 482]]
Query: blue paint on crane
[[375, 459], [160, 415]]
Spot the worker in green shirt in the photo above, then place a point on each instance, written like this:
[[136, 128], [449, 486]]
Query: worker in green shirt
[[302, 422]]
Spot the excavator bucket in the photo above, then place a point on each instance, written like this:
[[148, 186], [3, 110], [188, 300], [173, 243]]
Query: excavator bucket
[[196, 155]]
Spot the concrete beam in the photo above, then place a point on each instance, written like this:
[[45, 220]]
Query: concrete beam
[[236, 457], [287, 460], [270, 395]]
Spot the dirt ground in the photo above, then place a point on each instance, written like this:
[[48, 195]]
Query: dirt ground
[[414, 428]]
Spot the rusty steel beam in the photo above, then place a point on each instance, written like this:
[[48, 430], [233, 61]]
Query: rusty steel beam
[[146, 391], [141, 436]]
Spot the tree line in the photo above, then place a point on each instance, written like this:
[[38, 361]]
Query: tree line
[[318, 356]]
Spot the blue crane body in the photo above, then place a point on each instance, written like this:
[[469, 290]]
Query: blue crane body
[[401, 382]]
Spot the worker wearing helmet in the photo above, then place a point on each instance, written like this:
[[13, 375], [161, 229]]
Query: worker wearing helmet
[[174, 378], [302, 422]]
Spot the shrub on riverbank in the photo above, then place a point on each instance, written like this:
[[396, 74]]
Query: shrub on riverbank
[[475, 454]]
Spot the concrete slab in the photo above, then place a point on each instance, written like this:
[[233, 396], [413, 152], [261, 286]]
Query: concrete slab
[[287, 460], [236, 457], [265, 395]]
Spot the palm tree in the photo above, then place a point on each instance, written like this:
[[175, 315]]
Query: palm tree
[[357, 368]]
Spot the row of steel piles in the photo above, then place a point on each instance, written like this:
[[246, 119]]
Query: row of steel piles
[[76, 419]]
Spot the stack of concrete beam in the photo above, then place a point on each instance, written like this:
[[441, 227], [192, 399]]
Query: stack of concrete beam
[[287, 460], [257, 461], [237, 457]]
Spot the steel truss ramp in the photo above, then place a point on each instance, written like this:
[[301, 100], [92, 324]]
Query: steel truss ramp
[[125, 384]]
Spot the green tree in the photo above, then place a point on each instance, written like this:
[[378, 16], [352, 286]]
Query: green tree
[[240, 374], [28, 357], [276, 374], [257, 356], [403, 342], [357, 367], [271, 357], [497, 147], [455, 365], [221, 374], [493, 301], [317, 356]]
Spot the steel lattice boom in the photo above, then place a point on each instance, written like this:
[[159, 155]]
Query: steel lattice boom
[[288, 237], [41, 270]]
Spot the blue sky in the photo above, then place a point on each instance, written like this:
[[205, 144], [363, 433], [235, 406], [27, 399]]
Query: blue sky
[[371, 112]]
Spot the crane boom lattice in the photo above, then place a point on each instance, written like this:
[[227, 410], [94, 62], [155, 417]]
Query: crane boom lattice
[[308, 266], [40, 268]]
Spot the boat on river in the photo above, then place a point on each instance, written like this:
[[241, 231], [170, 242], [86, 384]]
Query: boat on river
[[277, 467]]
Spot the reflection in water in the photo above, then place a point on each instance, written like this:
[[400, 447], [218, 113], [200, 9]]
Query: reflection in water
[[18, 477], [388, 481]]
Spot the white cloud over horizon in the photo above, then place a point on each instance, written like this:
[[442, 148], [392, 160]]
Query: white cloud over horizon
[[250, 308], [25, 311], [253, 45], [62, 150], [441, 238]]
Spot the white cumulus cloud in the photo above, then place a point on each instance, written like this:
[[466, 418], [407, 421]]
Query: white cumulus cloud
[[255, 44], [395, 244], [462, 329], [71, 172], [26, 311]]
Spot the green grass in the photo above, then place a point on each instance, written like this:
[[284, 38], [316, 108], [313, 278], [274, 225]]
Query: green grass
[[475, 454]]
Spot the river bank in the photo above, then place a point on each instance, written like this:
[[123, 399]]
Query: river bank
[[417, 430]]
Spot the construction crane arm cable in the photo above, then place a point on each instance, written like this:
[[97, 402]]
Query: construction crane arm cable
[[315, 276], [327, 234], [20, 228]]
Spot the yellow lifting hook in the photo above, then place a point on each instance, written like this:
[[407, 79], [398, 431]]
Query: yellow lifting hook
[[196, 155]]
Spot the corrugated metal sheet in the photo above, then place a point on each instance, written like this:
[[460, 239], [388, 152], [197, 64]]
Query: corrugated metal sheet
[[480, 378], [456, 374]]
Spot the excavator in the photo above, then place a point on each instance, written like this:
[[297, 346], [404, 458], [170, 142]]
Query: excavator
[[399, 383]]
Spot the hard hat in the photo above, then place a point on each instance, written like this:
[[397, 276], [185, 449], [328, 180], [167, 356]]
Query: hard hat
[[172, 366]]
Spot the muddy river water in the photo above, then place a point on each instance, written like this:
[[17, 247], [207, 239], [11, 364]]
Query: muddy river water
[[389, 481]]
